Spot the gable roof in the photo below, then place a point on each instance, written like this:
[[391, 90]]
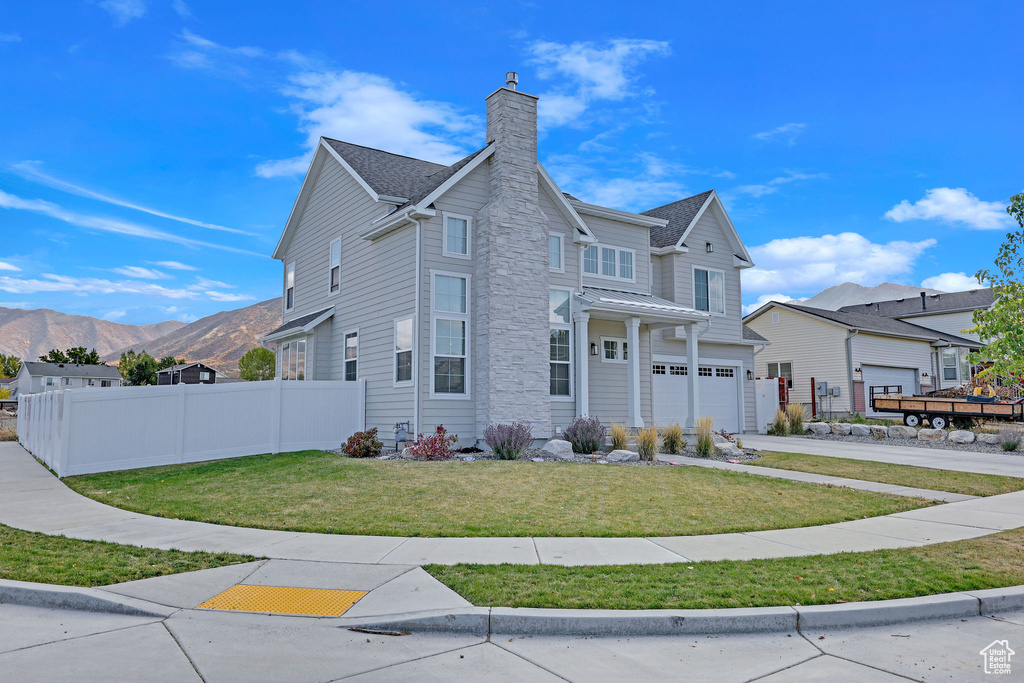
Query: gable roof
[[182, 366], [751, 335], [871, 323], [388, 174], [680, 215], [933, 303], [39, 369]]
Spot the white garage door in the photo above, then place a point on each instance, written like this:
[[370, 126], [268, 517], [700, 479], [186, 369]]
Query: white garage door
[[718, 393], [883, 376]]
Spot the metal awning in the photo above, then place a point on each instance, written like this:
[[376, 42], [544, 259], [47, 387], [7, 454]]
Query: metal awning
[[613, 304]]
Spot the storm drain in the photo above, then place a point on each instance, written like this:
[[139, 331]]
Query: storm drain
[[319, 602]]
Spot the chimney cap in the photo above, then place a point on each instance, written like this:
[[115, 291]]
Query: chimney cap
[[511, 79]]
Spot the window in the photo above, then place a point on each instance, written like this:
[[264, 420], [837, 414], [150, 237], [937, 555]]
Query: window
[[658, 370], [560, 347], [92, 383], [289, 287], [403, 351], [450, 343], [67, 381], [293, 360], [703, 372], [351, 356], [724, 372], [781, 370], [609, 262], [679, 370], [614, 350], [949, 365], [335, 273], [590, 260], [775, 317], [555, 253], [625, 265], [204, 376], [456, 236], [709, 290], [104, 383]]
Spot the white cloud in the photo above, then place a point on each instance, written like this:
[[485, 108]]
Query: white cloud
[[173, 265], [49, 282], [30, 170], [124, 11], [787, 133], [765, 298], [114, 315], [775, 184], [8, 266], [141, 273], [10, 37], [182, 9], [593, 73], [10, 201], [655, 182], [952, 282], [952, 205], [15, 304], [203, 283], [805, 264], [224, 296]]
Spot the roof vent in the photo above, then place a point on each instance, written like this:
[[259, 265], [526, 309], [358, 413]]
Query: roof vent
[[924, 302], [511, 79]]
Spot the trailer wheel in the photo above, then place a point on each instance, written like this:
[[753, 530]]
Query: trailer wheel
[[911, 420], [939, 422]]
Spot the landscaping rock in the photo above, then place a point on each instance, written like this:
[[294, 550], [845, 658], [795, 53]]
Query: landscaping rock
[[730, 450], [558, 448], [931, 435], [961, 436], [622, 456], [860, 430], [841, 428], [819, 428], [902, 432], [991, 439], [879, 431]]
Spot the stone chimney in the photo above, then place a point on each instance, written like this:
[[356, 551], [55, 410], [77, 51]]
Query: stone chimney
[[512, 337]]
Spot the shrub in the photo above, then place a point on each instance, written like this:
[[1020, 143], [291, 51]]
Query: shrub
[[508, 441], [962, 422], [586, 434], [647, 442], [779, 424], [797, 415], [620, 437], [363, 445], [1010, 439], [705, 443], [437, 446], [672, 439]]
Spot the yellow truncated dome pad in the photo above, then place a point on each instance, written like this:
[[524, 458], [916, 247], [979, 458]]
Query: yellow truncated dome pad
[[320, 602]]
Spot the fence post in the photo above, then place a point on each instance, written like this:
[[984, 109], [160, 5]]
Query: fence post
[[63, 454], [275, 427], [179, 447]]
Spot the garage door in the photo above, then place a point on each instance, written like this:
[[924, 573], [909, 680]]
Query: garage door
[[882, 376], [719, 395]]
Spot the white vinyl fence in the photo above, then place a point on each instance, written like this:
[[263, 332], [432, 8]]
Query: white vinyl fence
[[80, 431], [766, 402]]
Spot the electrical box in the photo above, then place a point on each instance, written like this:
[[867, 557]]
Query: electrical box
[[833, 391], [821, 388]]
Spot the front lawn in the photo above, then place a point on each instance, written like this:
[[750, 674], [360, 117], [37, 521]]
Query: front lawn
[[321, 492], [988, 562], [30, 556], [903, 475]]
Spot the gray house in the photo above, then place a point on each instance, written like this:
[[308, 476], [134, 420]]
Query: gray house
[[479, 292], [187, 373], [35, 377]]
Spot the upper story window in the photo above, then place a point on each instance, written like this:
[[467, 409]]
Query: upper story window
[[709, 290], [289, 287], [335, 273], [456, 235], [555, 254], [610, 262], [450, 339], [352, 356]]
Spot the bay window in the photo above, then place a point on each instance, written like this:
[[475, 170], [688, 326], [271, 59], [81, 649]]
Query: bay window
[[950, 361], [293, 359]]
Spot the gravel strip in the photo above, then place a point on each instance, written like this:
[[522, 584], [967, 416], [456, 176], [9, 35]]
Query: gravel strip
[[917, 443]]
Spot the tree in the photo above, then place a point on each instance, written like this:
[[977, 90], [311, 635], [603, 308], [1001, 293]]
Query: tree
[[1001, 327], [168, 361], [9, 365], [5, 394], [78, 355], [137, 369], [257, 364]]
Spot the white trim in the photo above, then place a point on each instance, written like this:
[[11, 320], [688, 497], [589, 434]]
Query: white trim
[[395, 351], [344, 348], [734, 236], [393, 221], [435, 315], [458, 175], [620, 352], [289, 267], [359, 179], [693, 289], [568, 326], [445, 215], [284, 335], [301, 199], [331, 266], [561, 252], [620, 216], [564, 207]]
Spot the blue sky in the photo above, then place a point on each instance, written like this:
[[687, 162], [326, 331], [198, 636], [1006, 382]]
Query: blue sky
[[150, 150]]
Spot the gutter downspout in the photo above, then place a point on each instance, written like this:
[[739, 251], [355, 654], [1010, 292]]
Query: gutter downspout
[[416, 338], [849, 369]]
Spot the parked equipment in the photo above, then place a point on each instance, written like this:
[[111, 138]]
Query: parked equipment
[[941, 411]]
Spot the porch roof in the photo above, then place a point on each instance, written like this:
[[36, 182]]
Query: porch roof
[[615, 304], [293, 327]]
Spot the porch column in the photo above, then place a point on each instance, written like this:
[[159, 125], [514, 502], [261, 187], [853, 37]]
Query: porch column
[[633, 366], [692, 394], [582, 319]]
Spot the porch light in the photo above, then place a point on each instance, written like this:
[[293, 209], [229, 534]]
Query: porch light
[[593, 348], [750, 375]]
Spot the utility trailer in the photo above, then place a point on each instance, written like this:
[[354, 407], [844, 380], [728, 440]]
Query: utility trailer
[[941, 411]]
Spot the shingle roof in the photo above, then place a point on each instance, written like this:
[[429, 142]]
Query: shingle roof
[[182, 366], [297, 323], [37, 369], [934, 303], [750, 335], [679, 215], [881, 323]]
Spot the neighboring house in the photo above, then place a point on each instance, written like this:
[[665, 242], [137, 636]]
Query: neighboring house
[[187, 373], [479, 293], [35, 377], [951, 312], [855, 352]]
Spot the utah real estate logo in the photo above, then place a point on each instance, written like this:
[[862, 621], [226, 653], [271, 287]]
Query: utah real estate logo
[[997, 657]]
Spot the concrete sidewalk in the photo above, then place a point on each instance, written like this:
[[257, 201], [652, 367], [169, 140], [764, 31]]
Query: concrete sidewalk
[[884, 451], [33, 499]]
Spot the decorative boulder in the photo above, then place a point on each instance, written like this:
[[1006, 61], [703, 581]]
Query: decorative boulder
[[730, 450], [622, 456], [860, 430], [879, 431], [558, 449], [961, 436], [902, 432], [991, 439], [931, 435], [841, 428], [819, 428]]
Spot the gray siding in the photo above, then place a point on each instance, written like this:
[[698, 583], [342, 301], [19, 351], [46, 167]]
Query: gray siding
[[615, 234]]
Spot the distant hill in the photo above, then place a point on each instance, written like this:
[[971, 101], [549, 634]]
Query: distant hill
[[218, 340], [29, 334], [850, 293]]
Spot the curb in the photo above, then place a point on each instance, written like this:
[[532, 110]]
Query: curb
[[79, 599]]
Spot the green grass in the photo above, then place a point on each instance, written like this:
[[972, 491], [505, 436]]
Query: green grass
[[30, 556], [320, 492], [988, 562], [903, 475]]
